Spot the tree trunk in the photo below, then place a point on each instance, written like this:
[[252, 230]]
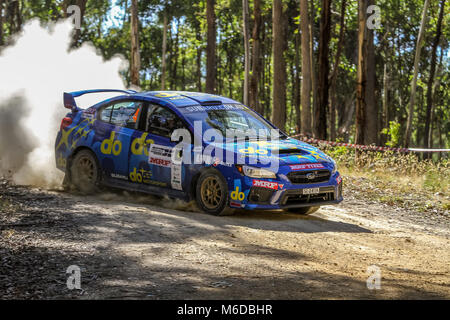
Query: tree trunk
[[347, 116], [306, 68], [412, 98], [313, 67], [135, 53], [174, 78], [296, 88], [125, 11], [254, 100], [385, 97], [230, 62], [164, 49], [12, 8], [435, 86], [371, 111], [334, 75], [431, 78], [279, 66], [246, 50], [183, 69], [361, 73], [320, 129], [211, 47]]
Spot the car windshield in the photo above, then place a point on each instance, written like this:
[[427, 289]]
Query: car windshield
[[235, 119]]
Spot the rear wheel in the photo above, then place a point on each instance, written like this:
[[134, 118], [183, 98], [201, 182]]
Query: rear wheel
[[84, 172], [212, 193], [303, 210]]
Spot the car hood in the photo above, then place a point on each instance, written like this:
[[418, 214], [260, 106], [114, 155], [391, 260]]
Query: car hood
[[286, 152]]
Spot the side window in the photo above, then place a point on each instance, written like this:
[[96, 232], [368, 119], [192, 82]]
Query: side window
[[162, 122], [105, 115], [123, 114]]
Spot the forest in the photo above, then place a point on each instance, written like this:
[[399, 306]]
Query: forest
[[366, 72]]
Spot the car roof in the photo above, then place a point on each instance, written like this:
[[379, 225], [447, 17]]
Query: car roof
[[180, 99]]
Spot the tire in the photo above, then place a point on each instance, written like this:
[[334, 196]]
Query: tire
[[84, 172], [66, 184], [303, 210], [212, 193]]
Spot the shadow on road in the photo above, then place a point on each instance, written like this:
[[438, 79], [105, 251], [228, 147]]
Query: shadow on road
[[133, 249]]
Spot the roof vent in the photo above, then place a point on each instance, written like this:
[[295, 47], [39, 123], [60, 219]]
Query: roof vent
[[211, 103]]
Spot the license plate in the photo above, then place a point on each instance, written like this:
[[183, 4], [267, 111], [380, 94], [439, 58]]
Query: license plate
[[311, 191]]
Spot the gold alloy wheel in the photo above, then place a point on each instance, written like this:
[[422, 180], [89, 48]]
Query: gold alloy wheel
[[211, 193], [86, 169]]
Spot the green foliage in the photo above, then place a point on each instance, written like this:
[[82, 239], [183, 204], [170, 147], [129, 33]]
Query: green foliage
[[394, 46], [393, 132]]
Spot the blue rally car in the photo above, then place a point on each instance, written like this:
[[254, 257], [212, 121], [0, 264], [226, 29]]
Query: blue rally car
[[178, 144]]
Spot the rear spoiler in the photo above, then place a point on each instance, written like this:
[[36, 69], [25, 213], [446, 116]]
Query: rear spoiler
[[69, 97]]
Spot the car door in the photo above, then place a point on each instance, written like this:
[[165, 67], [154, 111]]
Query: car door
[[151, 161], [115, 132]]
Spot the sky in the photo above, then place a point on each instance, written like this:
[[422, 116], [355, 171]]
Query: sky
[[115, 16]]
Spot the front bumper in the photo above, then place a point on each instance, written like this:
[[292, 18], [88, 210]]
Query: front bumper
[[327, 195], [294, 198], [289, 195]]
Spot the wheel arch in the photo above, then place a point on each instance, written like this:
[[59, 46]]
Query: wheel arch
[[194, 180], [75, 152]]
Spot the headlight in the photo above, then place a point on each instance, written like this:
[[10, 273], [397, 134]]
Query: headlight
[[334, 167], [253, 172]]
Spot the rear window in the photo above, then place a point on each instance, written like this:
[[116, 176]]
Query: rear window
[[122, 114]]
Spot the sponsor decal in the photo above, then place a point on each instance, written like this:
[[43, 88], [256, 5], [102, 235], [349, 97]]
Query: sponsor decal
[[157, 183], [111, 146], [176, 176], [160, 162], [160, 151], [251, 150], [218, 107], [339, 179], [306, 166], [119, 176], [265, 184], [160, 155], [236, 195], [208, 160], [141, 176], [90, 111], [216, 162], [166, 94], [138, 146], [235, 204]]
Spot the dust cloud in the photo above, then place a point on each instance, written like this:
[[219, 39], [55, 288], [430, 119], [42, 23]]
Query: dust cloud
[[34, 72]]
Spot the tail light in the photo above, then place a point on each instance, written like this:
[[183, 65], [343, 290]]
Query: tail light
[[65, 123]]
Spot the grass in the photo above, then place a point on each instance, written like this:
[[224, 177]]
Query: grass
[[395, 179]]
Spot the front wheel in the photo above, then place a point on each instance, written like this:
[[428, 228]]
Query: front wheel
[[212, 193], [303, 210]]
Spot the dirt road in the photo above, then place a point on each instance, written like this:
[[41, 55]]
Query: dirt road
[[131, 247]]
